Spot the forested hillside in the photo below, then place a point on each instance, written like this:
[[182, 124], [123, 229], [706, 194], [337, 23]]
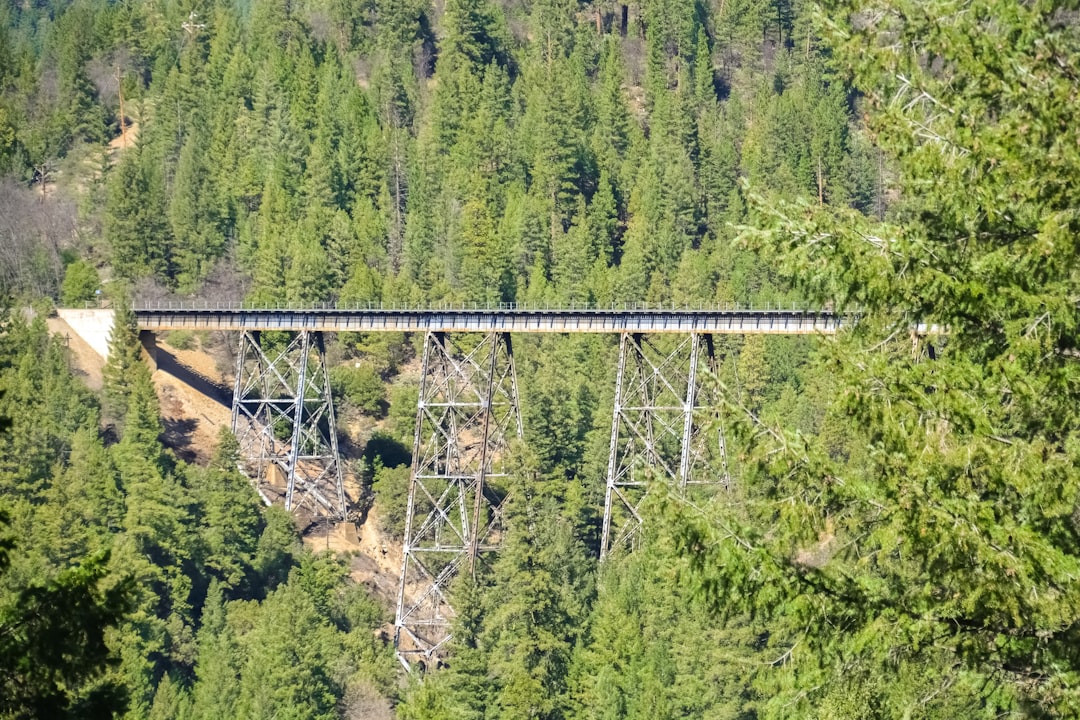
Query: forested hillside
[[358, 150], [136, 581], [900, 537]]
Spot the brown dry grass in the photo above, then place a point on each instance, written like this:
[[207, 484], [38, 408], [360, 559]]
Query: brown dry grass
[[85, 362], [192, 419]]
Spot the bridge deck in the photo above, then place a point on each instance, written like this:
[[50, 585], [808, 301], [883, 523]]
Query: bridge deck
[[516, 319]]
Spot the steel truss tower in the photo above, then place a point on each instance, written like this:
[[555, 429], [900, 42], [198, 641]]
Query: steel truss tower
[[283, 418], [665, 426], [467, 413]]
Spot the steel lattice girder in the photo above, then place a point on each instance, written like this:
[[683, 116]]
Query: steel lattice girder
[[664, 425], [467, 413], [283, 417]]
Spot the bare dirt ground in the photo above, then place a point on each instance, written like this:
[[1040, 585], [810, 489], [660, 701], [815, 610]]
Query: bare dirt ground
[[382, 555], [125, 139], [192, 416], [85, 361], [193, 407], [374, 558]]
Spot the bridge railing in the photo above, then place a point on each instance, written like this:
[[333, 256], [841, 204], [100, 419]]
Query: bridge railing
[[461, 306]]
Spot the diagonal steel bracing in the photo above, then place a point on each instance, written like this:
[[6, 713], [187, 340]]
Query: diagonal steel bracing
[[664, 425], [467, 413], [283, 417]]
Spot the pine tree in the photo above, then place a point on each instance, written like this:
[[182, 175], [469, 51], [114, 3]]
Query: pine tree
[[538, 590], [573, 253], [614, 129], [287, 656], [124, 360], [220, 658], [134, 222], [53, 649], [938, 537], [87, 496], [485, 267], [171, 702], [557, 151], [198, 241], [473, 35], [230, 523]]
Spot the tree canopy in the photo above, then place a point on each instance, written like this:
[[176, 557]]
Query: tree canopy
[[896, 533]]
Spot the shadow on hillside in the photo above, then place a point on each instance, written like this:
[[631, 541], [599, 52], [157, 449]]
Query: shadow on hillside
[[167, 363], [178, 437]]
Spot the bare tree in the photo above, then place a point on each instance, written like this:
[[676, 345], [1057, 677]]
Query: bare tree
[[34, 230], [225, 282], [363, 702]]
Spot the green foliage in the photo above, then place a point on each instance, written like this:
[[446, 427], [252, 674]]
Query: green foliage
[[517, 628], [899, 539], [53, 649], [134, 218], [230, 522], [943, 536], [124, 359], [181, 339], [655, 651], [44, 403], [391, 488], [144, 587], [361, 386], [54, 621], [295, 146], [287, 651], [81, 284]]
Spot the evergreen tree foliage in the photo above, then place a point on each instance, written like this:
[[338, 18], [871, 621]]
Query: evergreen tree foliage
[[81, 283], [897, 534], [144, 587], [134, 218], [944, 537], [53, 647], [124, 361]]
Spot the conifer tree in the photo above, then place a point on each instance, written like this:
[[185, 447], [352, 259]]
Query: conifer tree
[[230, 522], [473, 35], [613, 130], [287, 655], [485, 264], [87, 495], [198, 240], [134, 218], [124, 359], [539, 579], [53, 648], [943, 537]]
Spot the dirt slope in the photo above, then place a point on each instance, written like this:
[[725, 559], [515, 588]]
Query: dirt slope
[[85, 362], [194, 401]]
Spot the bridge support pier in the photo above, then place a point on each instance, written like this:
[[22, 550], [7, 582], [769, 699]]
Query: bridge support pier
[[664, 427], [467, 413], [283, 418]]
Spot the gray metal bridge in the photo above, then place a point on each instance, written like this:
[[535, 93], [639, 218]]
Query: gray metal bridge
[[665, 418], [513, 318]]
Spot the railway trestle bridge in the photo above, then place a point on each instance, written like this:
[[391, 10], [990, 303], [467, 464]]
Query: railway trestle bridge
[[468, 413]]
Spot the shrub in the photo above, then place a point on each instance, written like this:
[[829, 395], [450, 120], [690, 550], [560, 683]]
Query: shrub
[[391, 488], [181, 339], [360, 386], [81, 283]]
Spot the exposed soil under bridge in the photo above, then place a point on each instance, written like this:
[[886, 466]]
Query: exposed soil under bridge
[[195, 394]]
